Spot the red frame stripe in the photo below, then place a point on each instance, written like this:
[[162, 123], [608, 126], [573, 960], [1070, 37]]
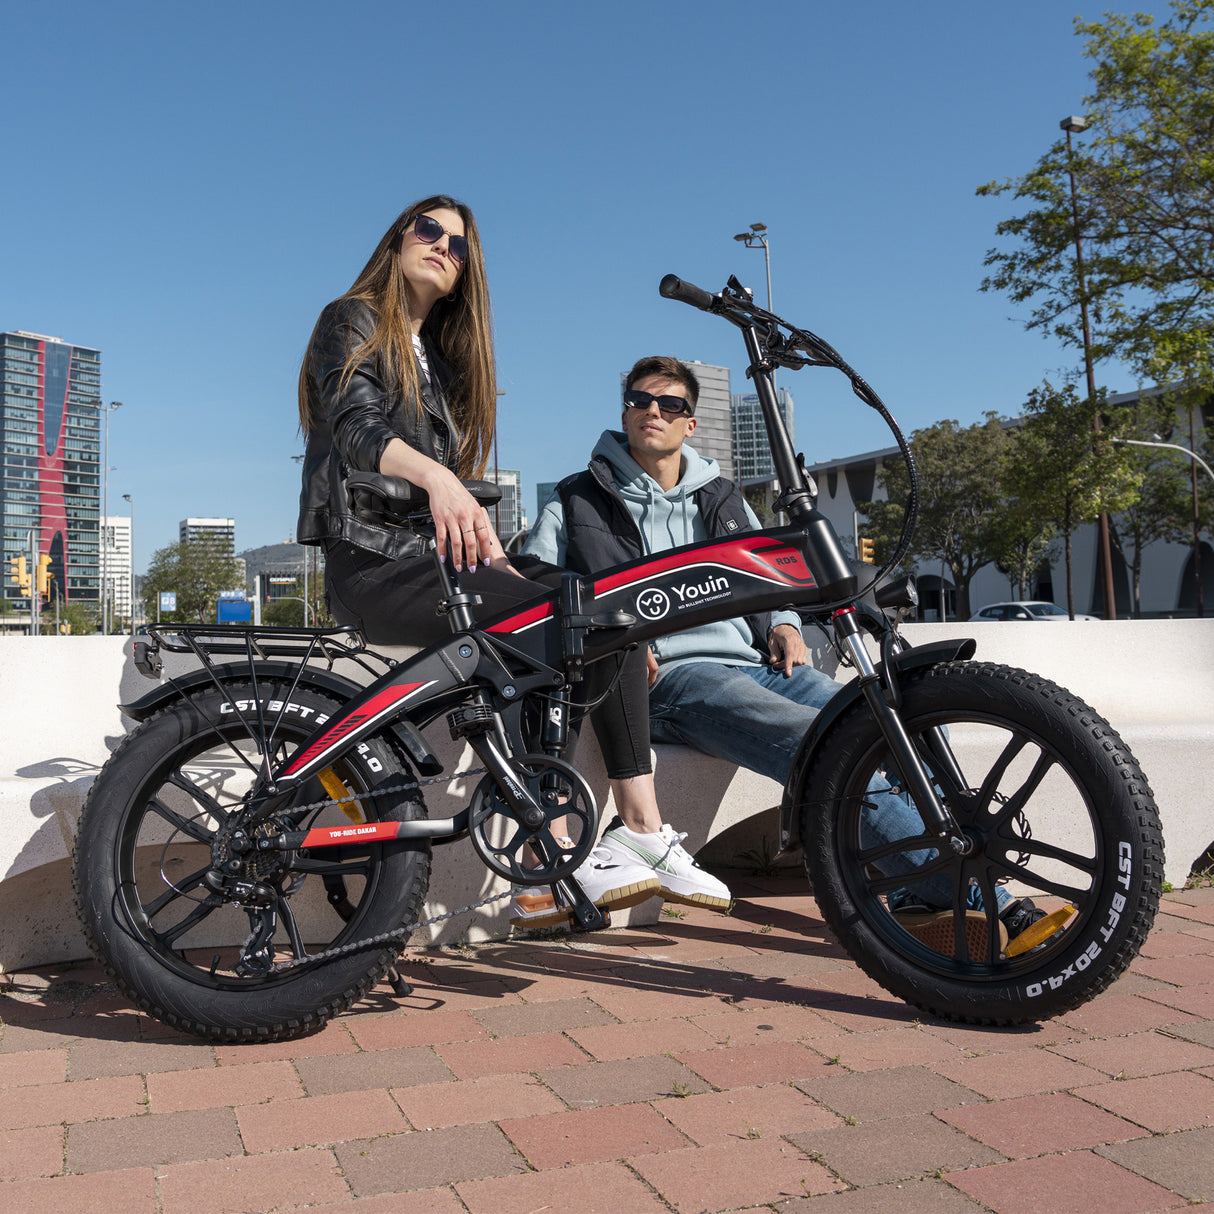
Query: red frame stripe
[[377, 704]]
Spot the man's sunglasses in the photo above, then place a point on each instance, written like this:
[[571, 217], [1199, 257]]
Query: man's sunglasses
[[671, 406], [429, 230]]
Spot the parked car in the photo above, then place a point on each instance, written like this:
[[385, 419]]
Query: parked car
[[1026, 610]]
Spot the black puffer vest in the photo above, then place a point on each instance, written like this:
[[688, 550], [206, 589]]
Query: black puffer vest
[[601, 532]]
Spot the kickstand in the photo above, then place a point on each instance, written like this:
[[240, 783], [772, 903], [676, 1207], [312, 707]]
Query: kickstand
[[584, 916], [400, 988]]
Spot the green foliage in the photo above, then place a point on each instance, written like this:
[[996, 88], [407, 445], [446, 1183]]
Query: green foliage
[[1022, 542], [82, 617], [756, 498], [287, 612], [1163, 508], [1144, 176], [1057, 471], [197, 571], [959, 499]]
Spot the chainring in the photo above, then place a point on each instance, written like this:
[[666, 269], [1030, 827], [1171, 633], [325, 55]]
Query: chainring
[[528, 855]]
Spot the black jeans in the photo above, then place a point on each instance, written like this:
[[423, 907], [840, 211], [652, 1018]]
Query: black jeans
[[393, 603]]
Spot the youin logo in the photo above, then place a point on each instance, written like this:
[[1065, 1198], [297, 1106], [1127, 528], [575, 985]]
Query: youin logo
[[653, 604]]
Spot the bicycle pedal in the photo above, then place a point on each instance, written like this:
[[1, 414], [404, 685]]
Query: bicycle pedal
[[596, 920]]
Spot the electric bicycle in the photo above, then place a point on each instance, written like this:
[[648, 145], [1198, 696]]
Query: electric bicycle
[[255, 854]]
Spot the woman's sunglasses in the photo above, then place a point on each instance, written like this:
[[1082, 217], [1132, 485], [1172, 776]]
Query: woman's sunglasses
[[671, 406], [429, 230]]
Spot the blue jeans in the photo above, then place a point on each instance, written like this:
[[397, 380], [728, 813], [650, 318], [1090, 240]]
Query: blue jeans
[[755, 717]]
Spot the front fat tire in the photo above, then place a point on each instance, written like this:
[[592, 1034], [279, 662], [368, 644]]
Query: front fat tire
[[180, 763], [1102, 824]]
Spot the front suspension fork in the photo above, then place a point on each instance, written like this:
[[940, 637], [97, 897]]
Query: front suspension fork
[[915, 777]]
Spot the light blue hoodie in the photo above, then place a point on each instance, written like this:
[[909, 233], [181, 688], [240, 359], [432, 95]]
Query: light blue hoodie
[[666, 518]]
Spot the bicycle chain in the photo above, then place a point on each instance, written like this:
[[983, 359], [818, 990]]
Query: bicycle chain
[[399, 933]]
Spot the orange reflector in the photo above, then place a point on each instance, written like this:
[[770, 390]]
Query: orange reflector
[[535, 902], [336, 788], [1039, 932]]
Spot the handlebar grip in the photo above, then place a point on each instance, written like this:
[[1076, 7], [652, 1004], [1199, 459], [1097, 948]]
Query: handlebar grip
[[673, 287]]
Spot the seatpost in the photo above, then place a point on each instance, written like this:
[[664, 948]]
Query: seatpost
[[796, 498]]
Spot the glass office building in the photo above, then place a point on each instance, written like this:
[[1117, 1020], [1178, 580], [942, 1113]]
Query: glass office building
[[50, 400], [751, 450]]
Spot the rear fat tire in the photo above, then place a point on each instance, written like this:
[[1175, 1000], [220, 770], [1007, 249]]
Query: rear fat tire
[[1105, 846], [146, 824]]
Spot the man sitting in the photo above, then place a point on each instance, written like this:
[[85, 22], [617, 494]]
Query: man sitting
[[739, 689]]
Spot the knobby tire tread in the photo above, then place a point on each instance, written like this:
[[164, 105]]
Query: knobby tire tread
[[1110, 759], [375, 961]]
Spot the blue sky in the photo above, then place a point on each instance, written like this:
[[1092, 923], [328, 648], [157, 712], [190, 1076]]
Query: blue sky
[[188, 185]]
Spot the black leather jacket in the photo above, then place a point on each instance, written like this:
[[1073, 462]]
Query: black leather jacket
[[352, 427]]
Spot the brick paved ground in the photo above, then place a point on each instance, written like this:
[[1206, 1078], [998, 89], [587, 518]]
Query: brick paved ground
[[707, 1064]]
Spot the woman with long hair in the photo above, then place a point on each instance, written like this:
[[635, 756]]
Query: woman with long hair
[[399, 379]]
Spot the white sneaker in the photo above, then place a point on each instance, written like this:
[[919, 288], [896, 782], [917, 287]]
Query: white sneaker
[[609, 883], [681, 878]]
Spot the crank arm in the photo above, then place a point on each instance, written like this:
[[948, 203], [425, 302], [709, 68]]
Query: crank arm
[[366, 832], [584, 916]]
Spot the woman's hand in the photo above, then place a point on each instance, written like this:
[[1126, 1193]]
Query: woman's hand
[[459, 520]]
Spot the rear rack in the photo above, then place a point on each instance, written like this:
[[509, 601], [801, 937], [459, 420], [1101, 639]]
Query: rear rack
[[257, 643]]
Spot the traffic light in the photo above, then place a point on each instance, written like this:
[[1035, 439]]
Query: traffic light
[[44, 575], [20, 573], [867, 551]]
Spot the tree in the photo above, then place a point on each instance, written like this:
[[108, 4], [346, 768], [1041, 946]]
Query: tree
[[81, 618], [1022, 543], [1145, 179], [197, 571], [1163, 509], [959, 499], [288, 612], [1182, 364], [1058, 475]]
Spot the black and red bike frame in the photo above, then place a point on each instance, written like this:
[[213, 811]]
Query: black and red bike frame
[[544, 645]]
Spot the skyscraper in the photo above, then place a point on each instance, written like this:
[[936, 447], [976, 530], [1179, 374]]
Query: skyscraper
[[543, 491], [509, 510], [50, 397], [116, 563], [750, 446], [713, 438], [219, 532]]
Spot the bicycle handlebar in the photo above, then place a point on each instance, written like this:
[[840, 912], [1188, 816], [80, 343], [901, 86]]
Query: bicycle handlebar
[[673, 287], [773, 342]]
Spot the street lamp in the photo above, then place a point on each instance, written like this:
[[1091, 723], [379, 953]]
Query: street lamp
[[497, 506], [104, 529], [1074, 125], [126, 497], [755, 239], [1136, 442]]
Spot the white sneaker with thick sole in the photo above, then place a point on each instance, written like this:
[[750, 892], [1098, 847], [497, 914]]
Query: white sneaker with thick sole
[[681, 878], [609, 883]]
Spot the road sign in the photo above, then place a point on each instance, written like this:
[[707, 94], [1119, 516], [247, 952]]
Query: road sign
[[168, 600]]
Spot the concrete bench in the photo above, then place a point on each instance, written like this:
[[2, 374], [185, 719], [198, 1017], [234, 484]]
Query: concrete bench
[[59, 720]]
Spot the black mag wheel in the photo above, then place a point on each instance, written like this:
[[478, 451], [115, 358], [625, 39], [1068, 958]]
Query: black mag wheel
[[194, 927], [1053, 807]]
